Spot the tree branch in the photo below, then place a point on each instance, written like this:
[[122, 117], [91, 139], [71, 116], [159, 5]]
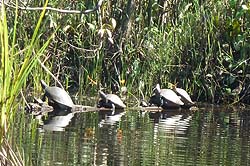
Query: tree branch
[[59, 10]]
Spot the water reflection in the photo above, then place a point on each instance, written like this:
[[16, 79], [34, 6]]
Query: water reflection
[[109, 138], [111, 119], [210, 136], [57, 122], [176, 124]]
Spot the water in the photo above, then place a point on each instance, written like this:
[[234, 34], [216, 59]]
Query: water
[[209, 136]]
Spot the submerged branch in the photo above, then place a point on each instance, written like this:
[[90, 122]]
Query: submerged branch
[[59, 10]]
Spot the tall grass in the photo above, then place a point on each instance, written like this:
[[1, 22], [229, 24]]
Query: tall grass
[[16, 65], [201, 45]]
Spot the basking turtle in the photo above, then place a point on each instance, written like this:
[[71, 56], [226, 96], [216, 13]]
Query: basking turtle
[[58, 97], [166, 98], [185, 98], [110, 101]]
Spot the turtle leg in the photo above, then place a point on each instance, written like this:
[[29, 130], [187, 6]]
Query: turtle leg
[[161, 102], [113, 109]]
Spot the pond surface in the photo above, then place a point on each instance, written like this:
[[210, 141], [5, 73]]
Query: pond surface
[[209, 136]]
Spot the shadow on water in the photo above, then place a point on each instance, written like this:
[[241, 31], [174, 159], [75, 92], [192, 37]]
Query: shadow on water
[[209, 136]]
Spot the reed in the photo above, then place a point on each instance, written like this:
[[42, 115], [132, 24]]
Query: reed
[[16, 65], [201, 45]]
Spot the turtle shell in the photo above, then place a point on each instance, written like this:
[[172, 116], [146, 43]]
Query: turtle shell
[[171, 98], [166, 98], [109, 99], [58, 96], [184, 96]]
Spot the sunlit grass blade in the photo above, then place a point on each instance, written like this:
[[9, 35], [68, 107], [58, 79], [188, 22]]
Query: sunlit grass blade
[[5, 69], [13, 76]]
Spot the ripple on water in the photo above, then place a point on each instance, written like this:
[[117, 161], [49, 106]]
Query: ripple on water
[[210, 136]]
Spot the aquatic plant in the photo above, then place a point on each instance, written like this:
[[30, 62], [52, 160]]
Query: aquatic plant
[[16, 65], [202, 46]]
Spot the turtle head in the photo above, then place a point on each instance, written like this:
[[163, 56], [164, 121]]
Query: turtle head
[[157, 89], [102, 94], [43, 83]]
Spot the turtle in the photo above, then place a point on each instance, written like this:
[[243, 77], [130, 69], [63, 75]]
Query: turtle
[[185, 98], [57, 97], [166, 98], [110, 101]]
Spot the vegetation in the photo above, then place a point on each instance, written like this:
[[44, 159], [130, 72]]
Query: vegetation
[[201, 45], [16, 65]]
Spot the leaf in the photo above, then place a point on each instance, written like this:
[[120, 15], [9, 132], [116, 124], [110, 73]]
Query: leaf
[[65, 29], [101, 32], [52, 23], [111, 40], [227, 90], [244, 7], [187, 7], [113, 22], [109, 33], [91, 26], [209, 75]]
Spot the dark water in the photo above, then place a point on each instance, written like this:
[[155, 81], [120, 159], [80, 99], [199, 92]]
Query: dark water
[[209, 136]]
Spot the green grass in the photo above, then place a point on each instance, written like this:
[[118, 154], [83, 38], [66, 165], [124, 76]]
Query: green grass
[[202, 46], [16, 66]]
